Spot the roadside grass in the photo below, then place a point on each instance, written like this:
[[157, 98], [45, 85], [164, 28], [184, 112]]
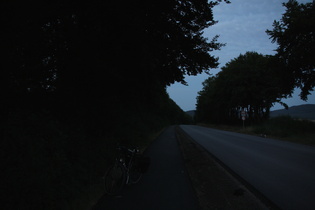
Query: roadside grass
[[283, 128]]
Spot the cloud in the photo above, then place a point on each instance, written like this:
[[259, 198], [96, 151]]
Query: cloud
[[242, 25]]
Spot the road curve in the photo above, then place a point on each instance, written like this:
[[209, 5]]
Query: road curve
[[283, 172]]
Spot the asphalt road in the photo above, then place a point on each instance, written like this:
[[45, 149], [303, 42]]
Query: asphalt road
[[166, 185], [283, 172]]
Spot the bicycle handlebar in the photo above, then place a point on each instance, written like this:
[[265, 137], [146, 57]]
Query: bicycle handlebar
[[128, 150]]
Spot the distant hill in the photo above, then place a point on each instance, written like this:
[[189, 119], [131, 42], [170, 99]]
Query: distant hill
[[191, 113], [306, 111]]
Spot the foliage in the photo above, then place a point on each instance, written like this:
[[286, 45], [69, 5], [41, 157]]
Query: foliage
[[82, 77], [250, 82], [282, 127], [288, 128], [294, 34], [44, 166], [86, 43]]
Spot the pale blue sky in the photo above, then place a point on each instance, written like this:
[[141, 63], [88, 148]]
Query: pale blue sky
[[242, 25]]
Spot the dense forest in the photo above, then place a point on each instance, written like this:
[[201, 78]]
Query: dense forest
[[249, 85], [80, 77]]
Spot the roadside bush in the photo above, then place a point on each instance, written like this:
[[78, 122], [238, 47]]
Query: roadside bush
[[52, 162], [285, 126], [46, 164]]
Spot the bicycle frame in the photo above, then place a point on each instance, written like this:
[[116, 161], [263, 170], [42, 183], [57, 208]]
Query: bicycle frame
[[127, 159], [123, 172]]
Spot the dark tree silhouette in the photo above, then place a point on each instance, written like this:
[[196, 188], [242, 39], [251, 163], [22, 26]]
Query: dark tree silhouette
[[80, 52], [81, 76], [294, 34], [250, 82]]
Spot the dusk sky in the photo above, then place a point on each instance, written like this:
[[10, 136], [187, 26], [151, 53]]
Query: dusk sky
[[242, 25]]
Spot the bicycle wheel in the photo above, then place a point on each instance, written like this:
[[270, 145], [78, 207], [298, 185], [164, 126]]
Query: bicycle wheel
[[134, 174], [115, 179]]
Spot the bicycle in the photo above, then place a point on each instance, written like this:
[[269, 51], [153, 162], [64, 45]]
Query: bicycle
[[127, 169]]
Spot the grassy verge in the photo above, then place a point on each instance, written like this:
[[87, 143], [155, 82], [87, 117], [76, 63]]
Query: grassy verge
[[283, 128]]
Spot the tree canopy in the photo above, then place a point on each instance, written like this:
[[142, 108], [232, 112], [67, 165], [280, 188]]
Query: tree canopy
[[95, 53], [294, 34], [48, 42], [80, 76], [85, 58], [250, 82]]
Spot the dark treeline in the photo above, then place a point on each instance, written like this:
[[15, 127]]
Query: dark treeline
[[250, 83], [80, 77]]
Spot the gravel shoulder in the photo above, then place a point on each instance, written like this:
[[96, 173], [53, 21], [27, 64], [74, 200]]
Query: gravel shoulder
[[215, 187]]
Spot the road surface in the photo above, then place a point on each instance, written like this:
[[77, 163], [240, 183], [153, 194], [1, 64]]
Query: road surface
[[166, 185], [283, 172]]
